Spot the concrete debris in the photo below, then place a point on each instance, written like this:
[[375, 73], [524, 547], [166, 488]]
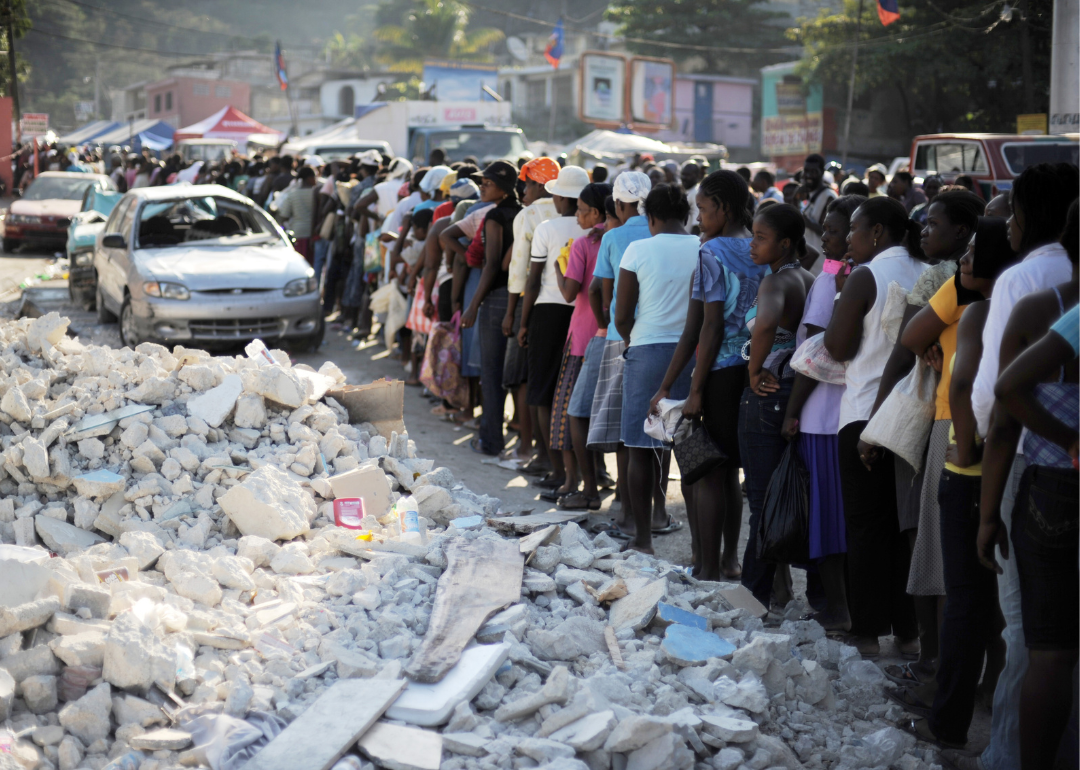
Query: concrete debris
[[189, 500]]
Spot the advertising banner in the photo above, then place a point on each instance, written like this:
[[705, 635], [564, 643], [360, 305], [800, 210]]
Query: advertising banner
[[458, 81], [651, 90], [603, 88], [34, 124]]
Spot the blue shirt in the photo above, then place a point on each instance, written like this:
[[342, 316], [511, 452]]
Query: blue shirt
[[663, 264], [726, 273], [612, 247], [1068, 326]]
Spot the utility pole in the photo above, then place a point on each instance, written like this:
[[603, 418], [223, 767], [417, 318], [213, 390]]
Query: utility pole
[[13, 78], [851, 86]]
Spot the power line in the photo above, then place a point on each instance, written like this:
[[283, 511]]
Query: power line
[[39, 31]]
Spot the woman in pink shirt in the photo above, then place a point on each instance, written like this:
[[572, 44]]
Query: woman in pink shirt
[[568, 432]]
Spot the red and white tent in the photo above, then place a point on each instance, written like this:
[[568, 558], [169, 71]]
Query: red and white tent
[[226, 123]]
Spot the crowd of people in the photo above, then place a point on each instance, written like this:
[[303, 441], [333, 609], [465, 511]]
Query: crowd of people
[[595, 300]]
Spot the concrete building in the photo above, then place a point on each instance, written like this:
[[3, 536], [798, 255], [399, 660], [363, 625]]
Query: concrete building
[[181, 101]]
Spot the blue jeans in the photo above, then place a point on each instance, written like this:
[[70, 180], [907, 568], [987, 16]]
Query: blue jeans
[[492, 357], [970, 609], [1003, 753], [322, 251], [760, 448]]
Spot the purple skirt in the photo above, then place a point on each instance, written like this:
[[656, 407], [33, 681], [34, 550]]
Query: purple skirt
[[827, 529]]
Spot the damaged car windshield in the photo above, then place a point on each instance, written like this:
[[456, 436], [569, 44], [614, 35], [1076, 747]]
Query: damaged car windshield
[[201, 219]]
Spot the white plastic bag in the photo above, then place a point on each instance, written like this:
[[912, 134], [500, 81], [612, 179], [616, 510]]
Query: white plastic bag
[[662, 426], [904, 421], [812, 359]]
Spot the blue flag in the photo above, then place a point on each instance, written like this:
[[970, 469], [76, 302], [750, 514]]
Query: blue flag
[[554, 50], [279, 67]]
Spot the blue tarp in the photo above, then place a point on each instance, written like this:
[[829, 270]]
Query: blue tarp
[[88, 132], [152, 134]]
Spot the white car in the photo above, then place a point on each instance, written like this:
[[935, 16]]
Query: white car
[[203, 264]]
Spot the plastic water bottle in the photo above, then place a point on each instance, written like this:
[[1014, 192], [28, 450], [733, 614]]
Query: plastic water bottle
[[185, 663], [129, 761], [409, 518]]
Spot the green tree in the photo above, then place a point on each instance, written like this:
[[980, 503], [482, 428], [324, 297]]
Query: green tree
[[735, 37], [432, 28], [952, 65], [15, 12]]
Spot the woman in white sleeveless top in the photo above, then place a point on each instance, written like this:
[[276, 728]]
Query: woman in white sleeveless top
[[881, 241]]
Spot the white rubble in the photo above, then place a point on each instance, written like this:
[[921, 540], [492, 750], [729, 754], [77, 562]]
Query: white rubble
[[197, 554]]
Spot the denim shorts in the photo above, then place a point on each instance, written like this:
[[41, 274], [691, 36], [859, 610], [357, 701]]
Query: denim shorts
[[643, 375], [585, 389], [1045, 525]]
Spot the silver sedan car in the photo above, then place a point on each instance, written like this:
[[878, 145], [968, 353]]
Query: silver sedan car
[[203, 264]]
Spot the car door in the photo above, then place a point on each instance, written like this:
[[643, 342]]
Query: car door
[[110, 279]]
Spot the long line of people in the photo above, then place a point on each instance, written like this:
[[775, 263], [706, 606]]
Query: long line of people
[[592, 303]]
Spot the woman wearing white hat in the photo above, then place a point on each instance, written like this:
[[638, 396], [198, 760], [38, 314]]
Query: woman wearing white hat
[[545, 314]]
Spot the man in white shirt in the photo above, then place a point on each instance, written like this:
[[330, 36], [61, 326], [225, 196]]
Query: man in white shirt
[[691, 174], [818, 195]]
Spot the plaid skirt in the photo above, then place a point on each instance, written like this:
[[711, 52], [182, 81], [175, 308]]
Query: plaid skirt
[[560, 420], [605, 425]]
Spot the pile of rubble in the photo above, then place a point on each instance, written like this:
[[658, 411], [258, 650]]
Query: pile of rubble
[[203, 609]]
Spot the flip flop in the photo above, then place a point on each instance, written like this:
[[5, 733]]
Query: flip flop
[[577, 501], [902, 675], [548, 483], [671, 526], [920, 728], [907, 701], [551, 495]]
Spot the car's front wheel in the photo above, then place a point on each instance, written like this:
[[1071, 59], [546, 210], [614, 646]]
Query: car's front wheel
[[309, 343], [129, 334], [104, 315]]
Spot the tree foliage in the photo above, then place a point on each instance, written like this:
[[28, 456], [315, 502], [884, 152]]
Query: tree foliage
[[431, 28], [952, 65], [710, 26]]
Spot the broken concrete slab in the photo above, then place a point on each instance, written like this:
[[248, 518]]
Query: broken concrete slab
[[432, 704], [525, 525], [589, 732], [216, 404], [637, 609], [64, 538], [369, 484], [165, 739], [321, 734], [741, 598], [402, 748], [269, 504], [28, 615], [667, 614]]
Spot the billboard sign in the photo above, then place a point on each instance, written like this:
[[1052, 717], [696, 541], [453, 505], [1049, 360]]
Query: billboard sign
[[652, 83], [791, 113], [458, 81], [34, 124], [603, 88]]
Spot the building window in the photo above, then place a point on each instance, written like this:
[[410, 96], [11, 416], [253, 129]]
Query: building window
[[168, 101], [201, 89], [157, 103], [222, 92], [346, 100]]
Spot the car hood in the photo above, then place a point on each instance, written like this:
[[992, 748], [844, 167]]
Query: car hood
[[52, 207], [208, 268], [85, 234]]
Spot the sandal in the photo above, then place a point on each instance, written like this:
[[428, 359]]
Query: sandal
[[908, 701], [868, 647], [551, 495], [536, 467], [671, 526], [577, 501], [548, 482], [920, 728], [604, 481], [902, 675]]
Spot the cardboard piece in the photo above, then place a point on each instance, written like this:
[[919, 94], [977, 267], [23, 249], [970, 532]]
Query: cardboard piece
[[432, 704], [382, 403], [318, 737], [368, 483], [481, 578], [740, 597], [402, 748]]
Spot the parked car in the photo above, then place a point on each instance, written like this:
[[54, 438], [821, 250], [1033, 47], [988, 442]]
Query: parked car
[[44, 211], [97, 204], [992, 160], [203, 264]]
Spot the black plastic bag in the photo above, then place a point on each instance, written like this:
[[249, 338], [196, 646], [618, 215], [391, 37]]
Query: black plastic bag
[[784, 531]]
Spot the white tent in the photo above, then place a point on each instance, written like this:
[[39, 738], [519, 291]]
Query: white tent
[[613, 146], [88, 132]]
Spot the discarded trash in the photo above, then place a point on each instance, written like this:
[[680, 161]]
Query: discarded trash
[[349, 512]]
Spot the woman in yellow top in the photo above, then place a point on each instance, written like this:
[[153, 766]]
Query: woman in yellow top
[[972, 615]]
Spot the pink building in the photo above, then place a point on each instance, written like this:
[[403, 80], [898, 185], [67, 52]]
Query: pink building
[[181, 101]]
